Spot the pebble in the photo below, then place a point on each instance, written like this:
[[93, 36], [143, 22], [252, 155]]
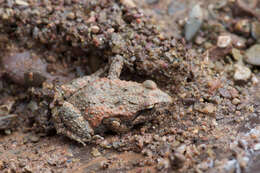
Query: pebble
[[224, 93], [2, 164], [95, 152], [194, 22], [34, 138], [235, 101], [236, 54], [149, 84], [94, 29], [243, 162], [163, 164], [208, 109], [230, 166], [205, 165], [253, 55], [7, 106], [24, 68], [177, 160], [128, 3], [21, 3], [199, 40], [255, 80], [224, 41], [238, 42], [71, 15], [8, 121], [234, 93], [242, 144], [255, 30], [257, 146], [27, 169], [7, 131], [151, 1], [242, 73], [243, 27]]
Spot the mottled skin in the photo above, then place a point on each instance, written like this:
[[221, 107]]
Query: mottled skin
[[91, 105]]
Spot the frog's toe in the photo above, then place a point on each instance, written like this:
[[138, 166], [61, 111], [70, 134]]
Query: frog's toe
[[75, 137]]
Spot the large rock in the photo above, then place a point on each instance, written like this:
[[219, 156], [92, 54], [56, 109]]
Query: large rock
[[194, 22], [253, 55]]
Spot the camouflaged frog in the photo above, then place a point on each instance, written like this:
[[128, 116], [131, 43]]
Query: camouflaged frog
[[91, 105]]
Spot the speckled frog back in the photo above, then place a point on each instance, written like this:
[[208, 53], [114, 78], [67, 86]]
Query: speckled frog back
[[114, 98]]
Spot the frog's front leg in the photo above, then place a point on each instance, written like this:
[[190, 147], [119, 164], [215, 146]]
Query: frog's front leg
[[69, 121]]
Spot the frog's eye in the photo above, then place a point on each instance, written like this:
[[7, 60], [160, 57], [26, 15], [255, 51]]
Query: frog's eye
[[149, 84]]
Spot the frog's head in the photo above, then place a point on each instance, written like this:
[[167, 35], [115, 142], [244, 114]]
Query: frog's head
[[154, 95]]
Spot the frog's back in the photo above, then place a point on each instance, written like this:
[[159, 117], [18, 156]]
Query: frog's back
[[110, 93]]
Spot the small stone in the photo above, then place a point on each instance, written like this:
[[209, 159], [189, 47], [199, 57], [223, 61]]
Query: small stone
[[199, 40], [71, 15], [104, 164], [242, 73], [224, 93], [243, 162], [238, 42], [177, 160], [243, 27], [255, 31], [242, 144], [33, 106], [110, 30], [236, 54], [234, 93], [181, 149], [151, 1], [208, 109], [7, 106], [7, 122], [208, 45], [2, 164], [27, 169], [149, 84], [95, 152], [255, 80], [94, 29], [205, 165], [256, 146], [224, 41], [21, 3], [230, 166], [34, 138], [194, 22], [235, 101], [253, 55], [128, 3], [163, 164], [8, 132], [25, 68]]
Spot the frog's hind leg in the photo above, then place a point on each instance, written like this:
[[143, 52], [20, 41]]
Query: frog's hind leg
[[69, 122], [116, 67]]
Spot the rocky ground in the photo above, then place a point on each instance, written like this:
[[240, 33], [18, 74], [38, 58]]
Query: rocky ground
[[205, 54]]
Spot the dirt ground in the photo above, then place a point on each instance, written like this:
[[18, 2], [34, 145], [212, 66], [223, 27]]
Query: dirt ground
[[199, 52]]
